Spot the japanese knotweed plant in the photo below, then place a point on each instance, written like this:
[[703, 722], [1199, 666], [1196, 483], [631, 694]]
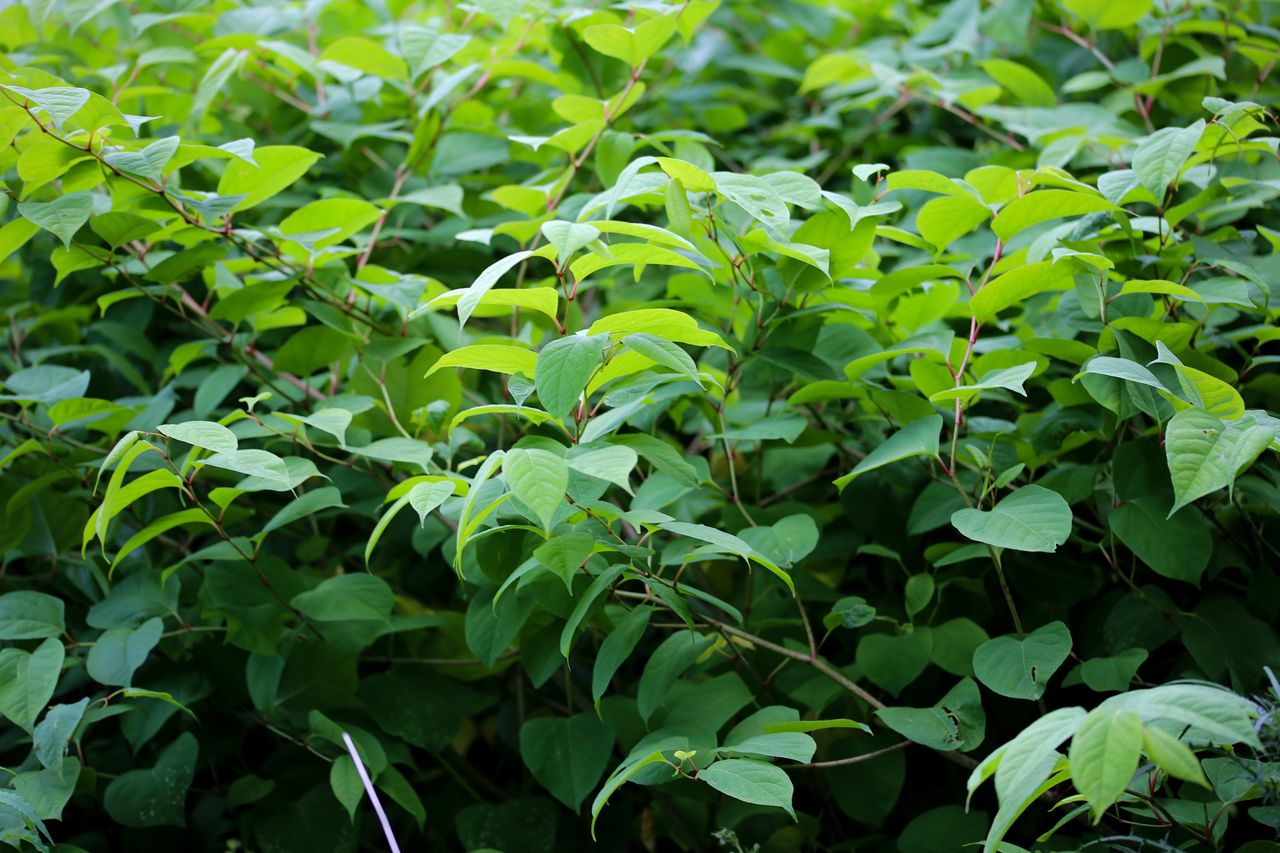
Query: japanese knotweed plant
[[638, 422]]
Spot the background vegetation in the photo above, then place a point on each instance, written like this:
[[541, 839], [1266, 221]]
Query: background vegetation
[[673, 424]]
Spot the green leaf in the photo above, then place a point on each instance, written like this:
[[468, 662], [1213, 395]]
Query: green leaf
[[470, 298], [633, 46], [665, 323], [63, 216], [1172, 755], [611, 463], [425, 47], [1216, 714], [154, 528], [1112, 674], [354, 597], [568, 237], [793, 745], [567, 755], [1104, 756], [1020, 81], [499, 358], [117, 654], [27, 681], [751, 782], [1033, 518], [1017, 285], [1177, 547], [616, 780], [565, 554], [53, 736], [252, 463], [754, 195], [663, 352], [1205, 454], [59, 103], [918, 438], [1021, 669], [1105, 15], [155, 797], [303, 506], [1159, 158], [538, 479], [942, 221], [785, 542], [205, 434], [668, 662], [336, 218], [1008, 378], [344, 781], [149, 162], [618, 645], [563, 369], [726, 543], [31, 615], [277, 167], [1044, 205]]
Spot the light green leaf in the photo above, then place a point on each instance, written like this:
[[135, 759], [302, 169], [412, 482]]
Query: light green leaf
[[425, 47], [27, 681], [470, 298], [1205, 454], [1017, 285], [944, 220], [149, 162], [211, 436], [538, 479], [568, 237], [489, 356], [616, 780], [611, 462], [1033, 518], [633, 46], [1044, 205], [1106, 15], [1104, 756], [117, 654], [754, 195], [277, 167], [793, 745], [253, 463], [1159, 158], [564, 367], [1172, 755], [751, 781], [63, 216], [59, 103]]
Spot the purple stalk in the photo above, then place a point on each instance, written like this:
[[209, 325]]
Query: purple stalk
[[373, 795]]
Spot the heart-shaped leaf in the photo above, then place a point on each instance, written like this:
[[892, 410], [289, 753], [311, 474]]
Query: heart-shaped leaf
[[155, 797], [1031, 519], [567, 755], [1020, 669]]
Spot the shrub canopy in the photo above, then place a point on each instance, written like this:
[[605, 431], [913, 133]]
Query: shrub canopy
[[639, 422]]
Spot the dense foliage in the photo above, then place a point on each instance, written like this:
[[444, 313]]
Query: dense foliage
[[671, 424]]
